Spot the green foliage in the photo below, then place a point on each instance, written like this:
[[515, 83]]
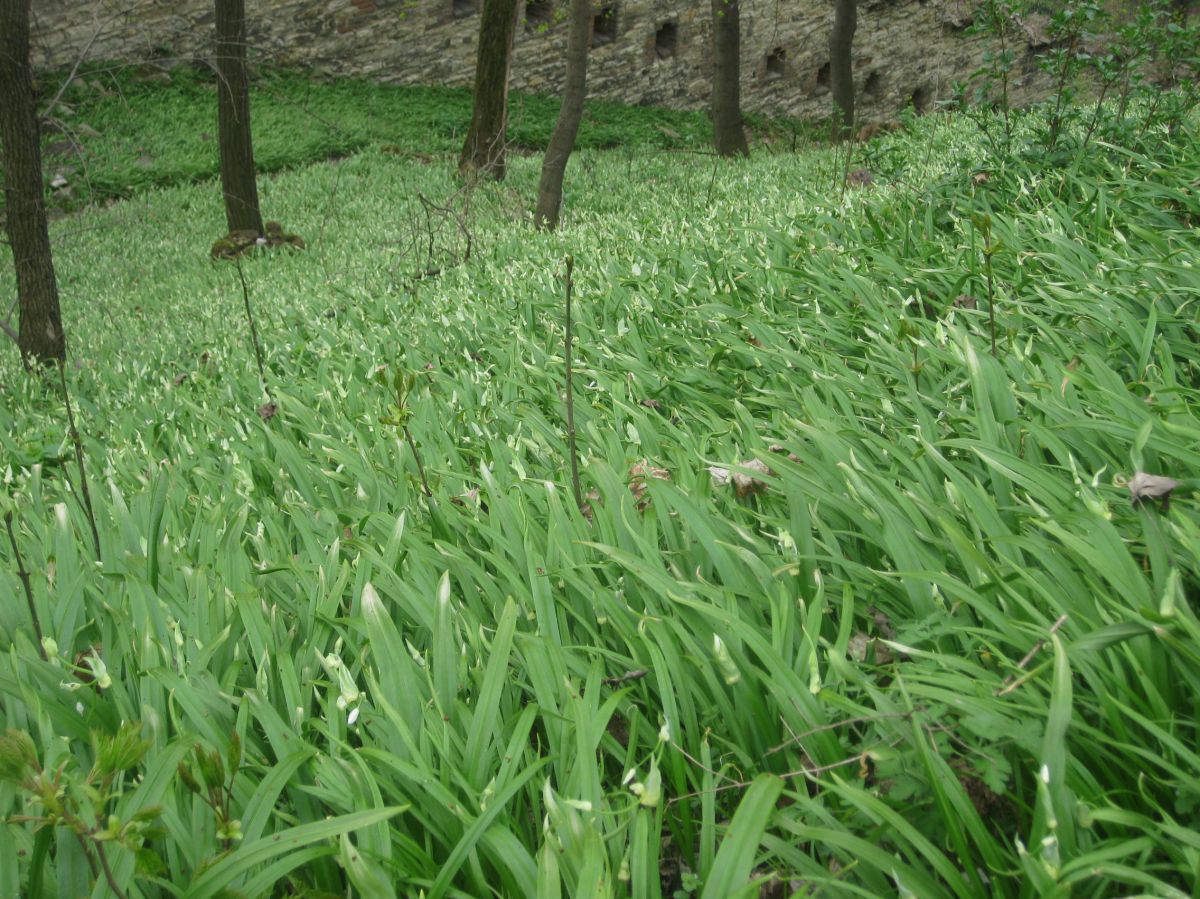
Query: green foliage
[[931, 650], [138, 127], [1114, 73]]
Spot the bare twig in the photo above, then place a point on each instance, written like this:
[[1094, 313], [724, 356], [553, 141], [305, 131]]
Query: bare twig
[[24, 576], [1014, 680], [79, 458], [412, 445], [262, 373], [75, 68], [807, 772], [847, 722], [571, 449], [108, 871]]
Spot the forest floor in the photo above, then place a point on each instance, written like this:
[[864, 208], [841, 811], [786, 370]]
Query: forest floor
[[859, 603]]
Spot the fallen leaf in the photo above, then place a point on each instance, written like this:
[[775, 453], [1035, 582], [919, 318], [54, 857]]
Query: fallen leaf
[[719, 476], [1151, 486], [861, 646], [860, 178], [883, 624], [966, 301], [780, 449], [743, 484], [638, 473]]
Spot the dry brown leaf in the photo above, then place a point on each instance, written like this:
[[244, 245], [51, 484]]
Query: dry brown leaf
[[860, 178], [1144, 486], [861, 646], [780, 449], [883, 624], [743, 484], [638, 473]]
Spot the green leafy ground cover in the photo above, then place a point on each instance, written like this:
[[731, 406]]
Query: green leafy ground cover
[[120, 129], [937, 654]]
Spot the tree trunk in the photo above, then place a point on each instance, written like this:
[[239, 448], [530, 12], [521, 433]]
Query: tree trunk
[[841, 73], [483, 150], [233, 120], [728, 131], [562, 141], [40, 332]]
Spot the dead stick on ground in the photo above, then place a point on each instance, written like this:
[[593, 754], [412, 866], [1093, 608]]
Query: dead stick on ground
[[1012, 682], [571, 396], [24, 576]]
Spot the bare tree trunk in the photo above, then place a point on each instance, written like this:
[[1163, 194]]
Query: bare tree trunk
[[562, 141], [233, 120], [40, 332], [483, 150], [841, 73], [729, 132]]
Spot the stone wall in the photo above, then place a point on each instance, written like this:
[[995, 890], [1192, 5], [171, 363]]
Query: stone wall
[[656, 53]]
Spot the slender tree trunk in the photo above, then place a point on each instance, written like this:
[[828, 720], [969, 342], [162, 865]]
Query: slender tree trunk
[[562, 141], [233, 120], [40, 333], [729, 132], [483, 150], [841, 72]]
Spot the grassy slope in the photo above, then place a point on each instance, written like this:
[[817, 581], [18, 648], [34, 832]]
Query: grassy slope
[[139, 127], [856, 620]]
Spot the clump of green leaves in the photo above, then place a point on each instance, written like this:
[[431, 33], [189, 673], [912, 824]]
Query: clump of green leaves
[[398, 413], [84, 803], [215, 785]]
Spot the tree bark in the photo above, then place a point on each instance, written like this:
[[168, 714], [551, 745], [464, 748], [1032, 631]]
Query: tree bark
[[729, 133], [40, 334], [233, 120], [483, 151], [841, 72], [562, 141]]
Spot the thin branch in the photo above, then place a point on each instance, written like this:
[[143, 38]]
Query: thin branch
[[810, 773], [108, 871], [75, 68], [861, 719], [262, 373], [1014, 680], [79, 459], [417, 456], [571, 449], [24, 576]]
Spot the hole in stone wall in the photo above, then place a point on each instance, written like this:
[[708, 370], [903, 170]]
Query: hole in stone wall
[[666, 39], [823, 75], [463, 8], [921, 98], [776, 63], [539, 14], [874, 85], [604, 26]]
